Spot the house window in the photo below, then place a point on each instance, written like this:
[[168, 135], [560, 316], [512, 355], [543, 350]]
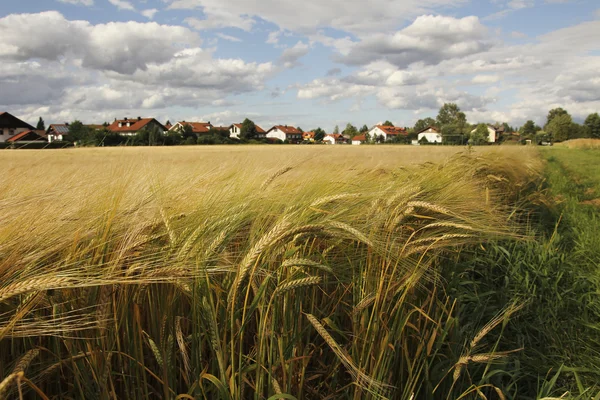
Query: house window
[[1, 131], [11, 131]]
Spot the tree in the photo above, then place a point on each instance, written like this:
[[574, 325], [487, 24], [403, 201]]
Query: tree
[[450, 113], [188, 133], [388, 123], [79, 133], [364, 129], [319, 134], [248, 131], [592, 125], [336, 130], [300, 129], [41, 125], [529, 129], [559, 127], [555, 112], [480, 136], [350, 130], [424, 123]]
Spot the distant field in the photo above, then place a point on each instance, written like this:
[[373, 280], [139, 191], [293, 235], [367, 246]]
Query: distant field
[[273, 272]]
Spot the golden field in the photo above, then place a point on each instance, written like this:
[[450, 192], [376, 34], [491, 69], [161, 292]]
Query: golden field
[[251, 271]]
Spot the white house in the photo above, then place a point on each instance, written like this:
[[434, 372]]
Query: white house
[[11, 126], [386, 132], [57, 132], [198, 128], [358, 140], [236, 129], [431, 134], [493, 133], [333, 138], [284, 132], [130, 127]]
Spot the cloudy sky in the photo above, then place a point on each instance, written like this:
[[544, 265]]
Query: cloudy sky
[[308, 63]]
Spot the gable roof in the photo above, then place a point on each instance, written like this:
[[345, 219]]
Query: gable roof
[[8, 120], [197, 127], [288, 130], [429, 127], [60, 129], [29, 136], [258, 128], [361, 138], [336, 136], [392, 130], [136, 125]]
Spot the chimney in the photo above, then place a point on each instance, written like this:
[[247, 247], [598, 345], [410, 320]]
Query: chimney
[[125, 118], [139, 118]]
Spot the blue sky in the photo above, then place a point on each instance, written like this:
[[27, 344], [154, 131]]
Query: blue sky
[[309, 63]]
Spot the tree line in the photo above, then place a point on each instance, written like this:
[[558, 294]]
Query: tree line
[[450, 121]]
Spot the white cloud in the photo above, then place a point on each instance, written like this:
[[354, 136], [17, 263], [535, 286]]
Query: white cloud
[[485, 79], [150, 13], [311, 15], [289, 58], [79, 2], [429, 40], [122, 5], [228, 37]]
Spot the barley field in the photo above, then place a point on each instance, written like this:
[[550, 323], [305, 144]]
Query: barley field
[[288, 272]]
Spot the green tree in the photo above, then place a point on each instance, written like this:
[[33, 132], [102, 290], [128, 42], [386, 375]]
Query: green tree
[[555, 112], [248, 131], [450, 114], [41, 125], [592, 125], [300, 129], [188, 133], [559, 127], [424, 123], [388, 123], [480, 135], [319, 134], [529, 129], [80, 134], [350, 130], [364, 129], [336, 130]]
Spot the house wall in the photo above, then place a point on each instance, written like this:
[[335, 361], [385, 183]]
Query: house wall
[[378, 132], [328, 140], [5, 133], [234, 132], [276, 134], [356, 142], [491, 135], [431, 136]]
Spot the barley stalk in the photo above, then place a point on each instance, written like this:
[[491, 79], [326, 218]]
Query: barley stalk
[[38, 284]]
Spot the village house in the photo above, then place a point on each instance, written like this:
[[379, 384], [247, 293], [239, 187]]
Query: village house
[[334, 138], [27, 137], [284, 132], [385, 133], [130, 127], [431, 134], [308, 136], [236, 129], [198, 128], [359, 139], [494, 133], [57, 132], [11, 126]]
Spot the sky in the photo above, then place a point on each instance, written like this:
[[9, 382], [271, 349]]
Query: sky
[[309, 63]]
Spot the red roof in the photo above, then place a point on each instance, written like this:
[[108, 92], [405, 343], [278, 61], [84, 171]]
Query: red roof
[[136, 125], [393, 130], [258, 128], [197, 127], [308, 135], [362, 138], [288, 130], [29, 136]]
